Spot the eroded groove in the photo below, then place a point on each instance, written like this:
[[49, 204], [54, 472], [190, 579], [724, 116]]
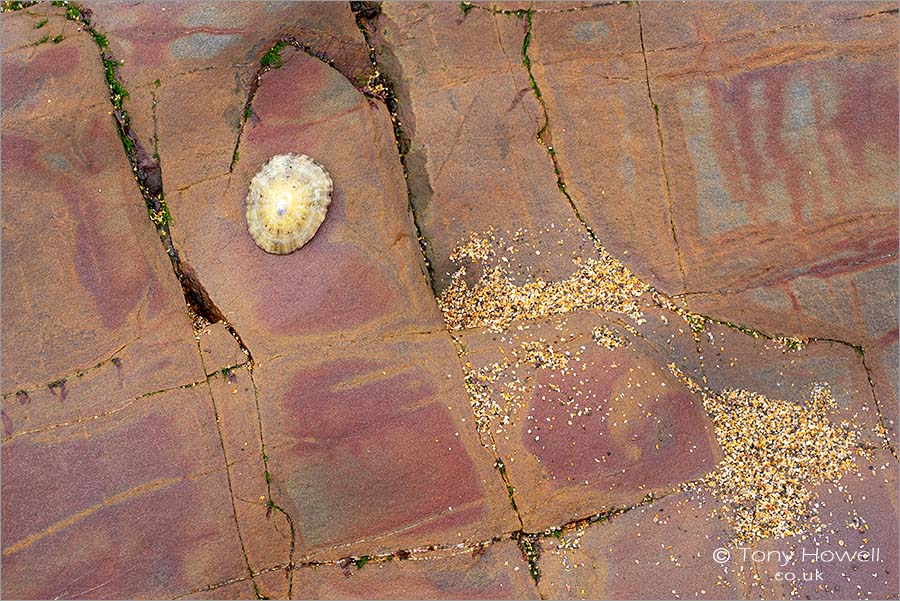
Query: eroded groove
[[662, 149], [530, 547], [380, 87], [534, 543], [107, 413], [348, 344], [111, 359], [769, 32], [421, 552], [271, 59], [110, 501], [815, 270], [226, 371], [231, 496], [522, 541], [891, 11], [147, 172], [270, 502]]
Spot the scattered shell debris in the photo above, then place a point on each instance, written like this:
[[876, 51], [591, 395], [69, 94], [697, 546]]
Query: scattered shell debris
[[531, 317], [287, 202], [775, 452], [568, 542], [605, 337], [495, 301], [499, 389]]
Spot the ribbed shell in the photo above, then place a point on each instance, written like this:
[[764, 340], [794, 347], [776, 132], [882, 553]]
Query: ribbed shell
[[287, 202]]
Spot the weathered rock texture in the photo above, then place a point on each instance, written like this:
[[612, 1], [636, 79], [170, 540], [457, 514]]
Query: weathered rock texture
[[324, 437]]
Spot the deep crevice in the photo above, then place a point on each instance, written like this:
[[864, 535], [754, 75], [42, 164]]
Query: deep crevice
[[147, 171], [381, 87]]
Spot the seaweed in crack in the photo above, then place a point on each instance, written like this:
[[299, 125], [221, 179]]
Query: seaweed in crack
[[270, 60], [530, 546], [147, 171], [12, 5]]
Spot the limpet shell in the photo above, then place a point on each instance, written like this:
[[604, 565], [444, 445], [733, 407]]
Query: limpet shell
[[287, 202]]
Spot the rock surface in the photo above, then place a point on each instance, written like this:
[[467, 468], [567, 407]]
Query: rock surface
[[333, 434], [496, 572]]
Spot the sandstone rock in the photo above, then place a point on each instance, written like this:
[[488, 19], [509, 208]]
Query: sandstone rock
[[673, 538], [497, 572], [109, 445], [732, 359], [475, 162], [372, 449], [162, 40], [121, 507], [590, 71], [266, 533], [854, 555], [237, 590], [603, 431], [362, 275], [778, 133], [84, 261], [142, 457]]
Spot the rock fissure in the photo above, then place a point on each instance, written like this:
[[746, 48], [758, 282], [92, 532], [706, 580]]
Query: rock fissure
[[380, 87], [147, 171], [535, 541], [662, 149]]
